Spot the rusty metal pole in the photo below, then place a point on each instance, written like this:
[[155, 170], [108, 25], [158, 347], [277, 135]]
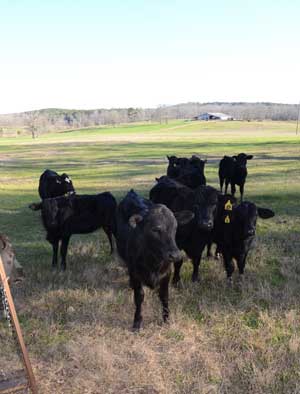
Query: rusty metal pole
[[15, 320]]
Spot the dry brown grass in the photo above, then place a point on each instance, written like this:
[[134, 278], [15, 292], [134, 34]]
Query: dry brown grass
[[219, 340]]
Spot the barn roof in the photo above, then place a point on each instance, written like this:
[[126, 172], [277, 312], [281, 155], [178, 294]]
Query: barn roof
[[218, 114]]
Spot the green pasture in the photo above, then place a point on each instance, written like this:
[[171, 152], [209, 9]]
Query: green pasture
[[118, 159]]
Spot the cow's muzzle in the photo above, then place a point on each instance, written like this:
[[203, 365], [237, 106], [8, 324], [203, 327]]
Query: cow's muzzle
[[206, 225]]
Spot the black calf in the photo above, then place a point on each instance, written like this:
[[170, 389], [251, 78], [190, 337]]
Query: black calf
[[233, 170], [145, 237], [189, 172], [64, 216], [235, 232]]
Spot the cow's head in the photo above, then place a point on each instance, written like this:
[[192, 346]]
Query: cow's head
[[241, 159], [173, 167], [67, 184], [172, 160], [205, 207], [245, 217], [182, 162], [159, 227], [195, 161]]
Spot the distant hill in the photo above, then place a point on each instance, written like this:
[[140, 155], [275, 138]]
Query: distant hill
[[49, 119]]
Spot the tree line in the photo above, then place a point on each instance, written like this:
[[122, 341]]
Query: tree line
[[44, 120]]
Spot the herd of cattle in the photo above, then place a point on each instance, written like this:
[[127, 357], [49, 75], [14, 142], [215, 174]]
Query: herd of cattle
[[181, 214]]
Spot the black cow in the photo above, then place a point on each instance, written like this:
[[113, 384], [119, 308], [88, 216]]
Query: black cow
[[173, 167], [53, 185], [193, 174], [195, 235], [145, 238], [76, 214], [233, 170], [235, 232], [189, 172]]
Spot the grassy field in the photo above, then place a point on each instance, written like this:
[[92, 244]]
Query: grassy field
[[78, 324]]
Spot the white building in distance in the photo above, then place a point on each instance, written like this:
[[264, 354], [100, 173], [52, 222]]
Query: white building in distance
[[213, 116]]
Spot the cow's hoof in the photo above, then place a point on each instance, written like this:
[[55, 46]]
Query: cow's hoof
[[229, 283], [135, 329], [196, 279], [137, 325]]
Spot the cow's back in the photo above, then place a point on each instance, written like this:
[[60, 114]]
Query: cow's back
[[89, 212]]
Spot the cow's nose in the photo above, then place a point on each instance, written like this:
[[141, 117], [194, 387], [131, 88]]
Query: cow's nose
[[251, 232], [206, 224], [209, 224]]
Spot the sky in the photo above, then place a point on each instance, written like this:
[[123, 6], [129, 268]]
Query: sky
[[86, 54]]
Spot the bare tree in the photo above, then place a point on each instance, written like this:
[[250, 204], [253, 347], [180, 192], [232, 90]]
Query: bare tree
[[32, 122]]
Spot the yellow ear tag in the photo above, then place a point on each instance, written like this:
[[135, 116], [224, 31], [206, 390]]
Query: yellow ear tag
[[228, 206], [227, 219]]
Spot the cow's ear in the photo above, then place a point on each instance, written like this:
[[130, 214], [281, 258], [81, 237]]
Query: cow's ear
[[168, 157], [184, 217], [265, 213], [249, 157], [134, 220]]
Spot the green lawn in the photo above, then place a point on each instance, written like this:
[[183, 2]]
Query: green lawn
[[220, 340]]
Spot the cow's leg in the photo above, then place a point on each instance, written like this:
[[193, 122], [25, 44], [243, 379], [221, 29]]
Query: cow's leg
[[221, 178], [209, 252], [55, 252], [226, 185], [229, 267], [196, 263], [242, 191], [164, 296], [218, 252], [108, 232], [241, 262], [176, 277], [63, 252], [138, 300], [233, 190]]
